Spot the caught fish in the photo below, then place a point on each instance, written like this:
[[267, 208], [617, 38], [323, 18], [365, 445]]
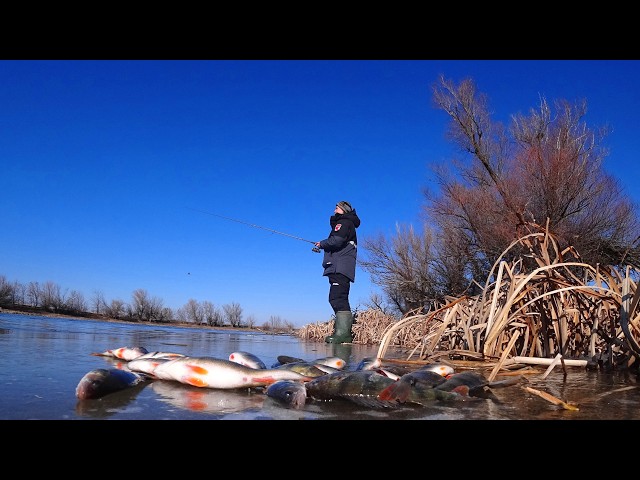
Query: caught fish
[[307, 369], [334, 362], [288, 392], [210, 372], [282, 359], [424, 395], [103, 381], [247, 359], [123, 353], [327, 368], [369, 363], [401, 389], [161, 355], [476, 383], [361, 387], [439, 368], [147, 364]]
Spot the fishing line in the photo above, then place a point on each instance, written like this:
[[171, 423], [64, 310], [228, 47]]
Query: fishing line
[[314, 249]]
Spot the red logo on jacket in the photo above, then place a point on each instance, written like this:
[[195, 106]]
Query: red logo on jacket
[[337, 227]]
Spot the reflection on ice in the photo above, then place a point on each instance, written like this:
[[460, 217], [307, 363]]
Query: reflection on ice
[[209, 400]]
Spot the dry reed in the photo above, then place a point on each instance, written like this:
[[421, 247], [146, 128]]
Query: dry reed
[[565, 308]]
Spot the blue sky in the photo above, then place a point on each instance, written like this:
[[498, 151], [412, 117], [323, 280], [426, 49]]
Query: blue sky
[[108, 166]]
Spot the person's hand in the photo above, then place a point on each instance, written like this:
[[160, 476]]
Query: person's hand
[[318, 244]]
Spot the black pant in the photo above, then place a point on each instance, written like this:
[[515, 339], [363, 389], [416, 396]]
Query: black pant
[[339, 292]]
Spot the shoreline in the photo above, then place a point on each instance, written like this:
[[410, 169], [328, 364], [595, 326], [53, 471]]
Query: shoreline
[[129, 322]]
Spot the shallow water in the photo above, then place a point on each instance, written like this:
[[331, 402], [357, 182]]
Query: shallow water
[[43, 359]]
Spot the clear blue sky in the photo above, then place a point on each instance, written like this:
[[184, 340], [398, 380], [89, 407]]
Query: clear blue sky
[[104, 162]]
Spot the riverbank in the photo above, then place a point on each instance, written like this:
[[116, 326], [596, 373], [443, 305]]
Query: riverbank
[[101, 318]]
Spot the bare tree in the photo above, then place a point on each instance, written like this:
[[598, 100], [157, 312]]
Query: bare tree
[[76, 302], [193, 312], [278, 324], [52, 297], [6, 291], [545, 170], [98, 302], [164, 314], [19, 294], [34, 294], [116, 309], [404, 268], [233, 314], [250, 321], [558, 172], [212, 315], [145, 307]]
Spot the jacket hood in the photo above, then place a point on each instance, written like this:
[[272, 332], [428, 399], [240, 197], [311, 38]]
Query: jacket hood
[[353, 216]]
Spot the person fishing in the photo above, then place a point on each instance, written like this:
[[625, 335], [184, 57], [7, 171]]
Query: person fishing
[[339, 263]]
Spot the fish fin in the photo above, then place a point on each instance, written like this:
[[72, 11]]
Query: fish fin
[[462, 390], [398, 391], [118, 353], [265, 380], [195, 381], [371, 402], [198, 369]]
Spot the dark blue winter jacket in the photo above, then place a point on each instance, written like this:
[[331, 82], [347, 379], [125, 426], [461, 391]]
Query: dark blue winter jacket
[[341, 246]]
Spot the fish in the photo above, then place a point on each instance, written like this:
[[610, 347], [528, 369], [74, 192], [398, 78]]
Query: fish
[[147, 364], [123, 353], [282, 359], [326, 368], [369, 363], [290, 393], [477, 384], [397, 371], [424, 395], [361, 387], [155, 355], [103, 381], [401, 389], [335, 362], [211, 372], [439, 368], [247, 359], [308, 369]]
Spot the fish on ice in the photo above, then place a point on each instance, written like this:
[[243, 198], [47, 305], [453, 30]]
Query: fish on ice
[[211, 372], [290, 393], [247, 359], [103, 381], [123, 353]]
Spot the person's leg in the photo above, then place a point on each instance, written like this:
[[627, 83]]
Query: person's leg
[[339, 287], [339, 300]]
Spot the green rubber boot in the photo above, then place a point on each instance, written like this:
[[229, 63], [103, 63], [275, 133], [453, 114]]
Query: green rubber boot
[[342, 329]]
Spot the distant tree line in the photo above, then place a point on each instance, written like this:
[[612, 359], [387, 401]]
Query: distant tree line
[[50, 297]]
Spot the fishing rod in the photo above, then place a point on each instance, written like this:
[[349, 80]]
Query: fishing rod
[[314, 249]]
